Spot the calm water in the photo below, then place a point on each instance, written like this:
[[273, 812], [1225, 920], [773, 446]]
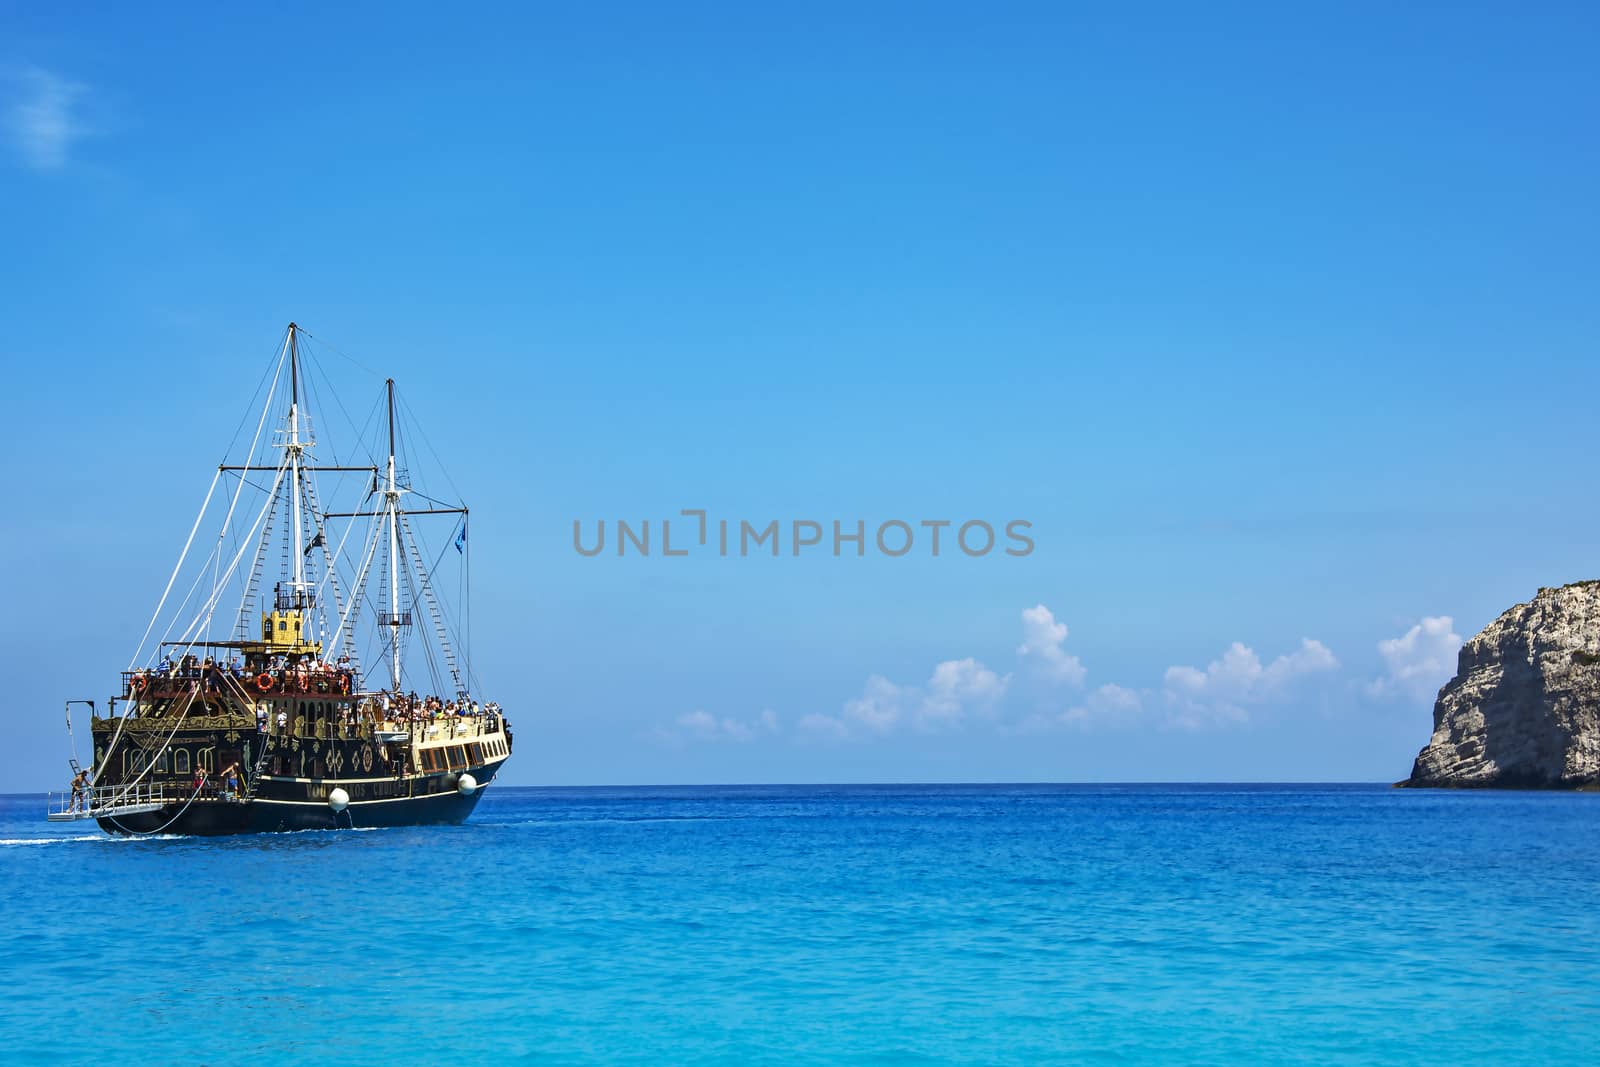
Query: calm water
[[1138, 924]]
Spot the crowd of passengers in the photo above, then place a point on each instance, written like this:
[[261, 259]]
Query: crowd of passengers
[[299, 675], [408, 707], [306, 675]]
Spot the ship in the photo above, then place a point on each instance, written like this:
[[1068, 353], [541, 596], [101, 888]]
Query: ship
[[265, 719]]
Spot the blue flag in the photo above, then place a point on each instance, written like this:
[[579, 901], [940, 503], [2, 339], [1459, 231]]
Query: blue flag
[[461, 539]]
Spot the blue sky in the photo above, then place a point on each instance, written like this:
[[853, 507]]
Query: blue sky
[[1277, 322]]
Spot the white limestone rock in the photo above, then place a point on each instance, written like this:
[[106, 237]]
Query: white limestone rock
[[1523, 710]]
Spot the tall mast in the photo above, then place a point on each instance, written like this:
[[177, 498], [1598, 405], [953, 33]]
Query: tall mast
[[392, 505], [299, 583]]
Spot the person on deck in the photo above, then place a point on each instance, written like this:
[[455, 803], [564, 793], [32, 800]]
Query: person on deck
[[80, 791]]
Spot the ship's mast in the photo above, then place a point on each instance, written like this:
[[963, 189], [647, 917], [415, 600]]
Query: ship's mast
[[295, 448], [392, 505]]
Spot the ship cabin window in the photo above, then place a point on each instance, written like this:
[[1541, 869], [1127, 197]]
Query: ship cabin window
[[180, 760], [458, 756], [475, 752], [204, 759], [163, 761], [133, 761]]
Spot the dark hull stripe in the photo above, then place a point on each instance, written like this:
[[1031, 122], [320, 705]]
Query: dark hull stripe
[[288, 814]]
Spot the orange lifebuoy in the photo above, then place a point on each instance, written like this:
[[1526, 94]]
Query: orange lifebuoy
[[139, 682], [263, 681]]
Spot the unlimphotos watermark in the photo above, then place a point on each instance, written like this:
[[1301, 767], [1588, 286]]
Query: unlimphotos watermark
[[735, 538]]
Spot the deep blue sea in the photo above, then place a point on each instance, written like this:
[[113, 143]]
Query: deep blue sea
[[830, 925]]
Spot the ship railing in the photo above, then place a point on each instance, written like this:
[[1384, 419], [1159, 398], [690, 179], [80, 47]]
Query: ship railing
[[290, 599], [177, 681], [107, 799], [327, 683], [450, 727]]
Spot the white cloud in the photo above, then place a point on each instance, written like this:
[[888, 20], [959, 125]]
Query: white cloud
[[1219, 693], [701, 725], [878, 708], [1042, 638], [823, 726], [956, 689], [959, 686], [1311, 657], [1420, 660], [40, 119], [1108, 703]]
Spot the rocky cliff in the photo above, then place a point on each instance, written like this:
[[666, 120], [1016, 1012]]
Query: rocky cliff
[[1523, 710]]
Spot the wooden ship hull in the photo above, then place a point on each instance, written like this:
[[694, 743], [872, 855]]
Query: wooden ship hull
[[290, 805], [265, 815]]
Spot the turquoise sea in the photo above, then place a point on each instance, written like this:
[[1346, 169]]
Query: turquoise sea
[[830, 925]]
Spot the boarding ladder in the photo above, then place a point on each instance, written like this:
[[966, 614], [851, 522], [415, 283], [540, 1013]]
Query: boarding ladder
[[99, 802]]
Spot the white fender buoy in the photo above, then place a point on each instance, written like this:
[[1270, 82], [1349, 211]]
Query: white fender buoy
[[466, 785], [338, 800]]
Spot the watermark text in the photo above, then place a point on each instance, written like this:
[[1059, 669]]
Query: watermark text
[[694, 532]]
